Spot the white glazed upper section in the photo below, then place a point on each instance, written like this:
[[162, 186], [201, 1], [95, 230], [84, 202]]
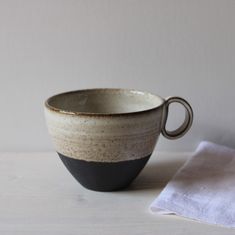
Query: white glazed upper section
[[104, 101], [106, 138]]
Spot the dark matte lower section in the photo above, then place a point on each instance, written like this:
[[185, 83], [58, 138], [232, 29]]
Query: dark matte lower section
[[104, 176]]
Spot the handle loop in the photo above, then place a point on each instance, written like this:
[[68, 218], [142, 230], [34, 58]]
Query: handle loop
[[182, 130]]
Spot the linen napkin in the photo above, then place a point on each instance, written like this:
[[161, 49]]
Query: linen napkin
[[203, 189]]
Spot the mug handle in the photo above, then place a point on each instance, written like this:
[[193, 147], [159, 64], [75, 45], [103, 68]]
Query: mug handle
[[188, 120]]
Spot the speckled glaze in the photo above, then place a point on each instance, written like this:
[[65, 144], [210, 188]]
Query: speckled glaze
[[106, 136]]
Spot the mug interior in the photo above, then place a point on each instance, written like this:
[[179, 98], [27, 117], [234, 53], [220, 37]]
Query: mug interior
[[104, 101]]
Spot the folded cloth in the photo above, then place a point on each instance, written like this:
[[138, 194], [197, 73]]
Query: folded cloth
[[203, 189]]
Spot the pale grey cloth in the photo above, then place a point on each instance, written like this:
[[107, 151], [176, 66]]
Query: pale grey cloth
[[204, 188]]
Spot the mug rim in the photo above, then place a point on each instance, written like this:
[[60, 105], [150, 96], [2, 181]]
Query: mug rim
[[92, 114]]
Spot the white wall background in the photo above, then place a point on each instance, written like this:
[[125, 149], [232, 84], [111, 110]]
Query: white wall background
[[168, 47]]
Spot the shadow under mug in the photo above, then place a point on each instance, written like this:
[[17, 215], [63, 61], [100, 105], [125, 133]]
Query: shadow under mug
[[106, 136]]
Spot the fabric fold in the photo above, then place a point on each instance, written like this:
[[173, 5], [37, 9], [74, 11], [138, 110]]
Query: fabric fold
[[203, 188]]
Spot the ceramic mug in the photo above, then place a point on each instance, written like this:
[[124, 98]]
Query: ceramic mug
[[106, 136]]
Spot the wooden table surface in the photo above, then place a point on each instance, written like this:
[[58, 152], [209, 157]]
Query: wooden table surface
[[39, 196]]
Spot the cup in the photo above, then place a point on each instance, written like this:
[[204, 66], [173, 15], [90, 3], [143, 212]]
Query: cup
[[106, 136]]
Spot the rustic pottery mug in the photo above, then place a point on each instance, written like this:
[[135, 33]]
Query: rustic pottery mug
[[106, 136]]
